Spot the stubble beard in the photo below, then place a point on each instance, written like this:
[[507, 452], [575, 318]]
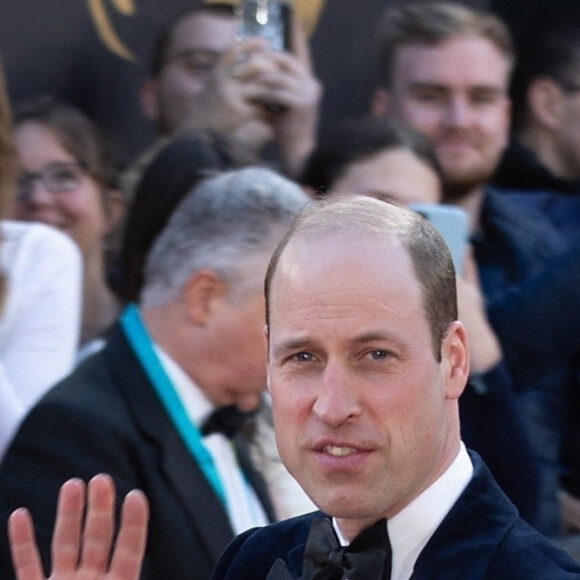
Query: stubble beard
[[458, 186]]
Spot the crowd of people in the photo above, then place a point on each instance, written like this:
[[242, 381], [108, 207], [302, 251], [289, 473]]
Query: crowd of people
[[383, 413]]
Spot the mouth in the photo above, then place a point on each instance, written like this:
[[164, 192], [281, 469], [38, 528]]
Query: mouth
[[341, 457], [455, 145], [338, 450], [456, 140]]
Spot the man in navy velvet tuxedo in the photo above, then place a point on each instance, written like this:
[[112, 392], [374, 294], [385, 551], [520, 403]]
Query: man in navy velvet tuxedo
[[366, 362]]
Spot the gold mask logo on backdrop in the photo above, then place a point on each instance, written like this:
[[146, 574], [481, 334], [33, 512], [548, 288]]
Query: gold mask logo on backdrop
[[105, 29], [307, 10]]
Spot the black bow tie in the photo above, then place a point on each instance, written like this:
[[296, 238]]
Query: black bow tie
[[226, 420], [368, 557]]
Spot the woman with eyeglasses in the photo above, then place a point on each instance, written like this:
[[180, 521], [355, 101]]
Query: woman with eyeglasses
[[68, 180], [40, 299]]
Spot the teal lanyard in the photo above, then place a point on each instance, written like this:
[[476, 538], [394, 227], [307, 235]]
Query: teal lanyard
[[140, 341]]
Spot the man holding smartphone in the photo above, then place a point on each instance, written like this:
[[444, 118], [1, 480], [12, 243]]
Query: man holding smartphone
[[202, 77]]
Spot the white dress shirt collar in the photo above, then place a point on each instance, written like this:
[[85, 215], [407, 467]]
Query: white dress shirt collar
[[242, 505], [197, 406], [411, 528]]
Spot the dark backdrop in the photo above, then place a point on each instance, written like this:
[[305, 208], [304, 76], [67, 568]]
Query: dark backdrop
[[94, 53]]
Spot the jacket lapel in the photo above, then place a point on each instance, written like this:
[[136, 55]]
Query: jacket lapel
[[279, 571], [196, 495], [463, 545], [204, 509], [253, 476]]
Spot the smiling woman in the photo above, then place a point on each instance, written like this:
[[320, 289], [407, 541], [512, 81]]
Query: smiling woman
[[68, 181]]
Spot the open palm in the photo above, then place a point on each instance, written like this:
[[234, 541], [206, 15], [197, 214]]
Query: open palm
[[86, 552]]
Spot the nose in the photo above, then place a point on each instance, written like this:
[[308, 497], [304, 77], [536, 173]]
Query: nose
[[337, 399], [457, 113]]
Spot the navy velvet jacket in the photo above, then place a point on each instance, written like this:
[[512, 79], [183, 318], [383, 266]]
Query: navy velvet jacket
[[482, 537]]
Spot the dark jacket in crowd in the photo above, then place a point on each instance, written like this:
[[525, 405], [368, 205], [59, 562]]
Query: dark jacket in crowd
[[514, 244], [525, 181]]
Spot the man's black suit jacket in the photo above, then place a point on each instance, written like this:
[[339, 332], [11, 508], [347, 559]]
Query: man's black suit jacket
[[481, 538], [106, 417]]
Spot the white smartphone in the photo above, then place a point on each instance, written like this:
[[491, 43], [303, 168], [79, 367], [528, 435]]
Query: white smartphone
[[453, 225]]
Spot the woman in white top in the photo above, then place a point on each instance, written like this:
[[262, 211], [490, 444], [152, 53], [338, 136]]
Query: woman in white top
[[40, 296]]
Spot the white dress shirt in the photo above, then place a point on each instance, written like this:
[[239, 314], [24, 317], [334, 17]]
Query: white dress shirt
[[243, 506], [412, 527]]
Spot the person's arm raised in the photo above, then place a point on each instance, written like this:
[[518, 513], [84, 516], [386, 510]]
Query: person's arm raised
[[84, 552], [293, 85]]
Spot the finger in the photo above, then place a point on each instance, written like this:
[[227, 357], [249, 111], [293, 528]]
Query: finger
[[241, 51], [67, 528], [130, 547], [292, 95], [25, 556], [299, 41], [253, 67], [287, 63], [99, 523]]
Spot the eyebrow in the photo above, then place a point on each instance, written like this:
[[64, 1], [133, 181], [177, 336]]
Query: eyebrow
[[291, 345], [187, 52], [303, 343], [415, 86]]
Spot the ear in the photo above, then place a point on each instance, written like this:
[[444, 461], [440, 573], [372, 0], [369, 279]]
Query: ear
[[545, 100], [379, 103], [508, 120], [455, 360], [114, 209], [202, 294], [267, 341], [148, 100]]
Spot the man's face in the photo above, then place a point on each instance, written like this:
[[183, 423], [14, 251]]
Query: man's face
[[197, 43], [456, 94], [365, 416], [234, 359]]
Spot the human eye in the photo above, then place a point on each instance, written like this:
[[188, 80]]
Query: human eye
[[63, 177], [484, 97], [378, 354], [429, 95], [294, 361], [302, 357], [199, 61]]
